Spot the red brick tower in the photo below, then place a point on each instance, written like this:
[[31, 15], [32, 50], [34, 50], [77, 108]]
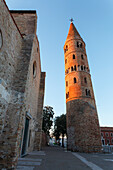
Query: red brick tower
[[83, 130]]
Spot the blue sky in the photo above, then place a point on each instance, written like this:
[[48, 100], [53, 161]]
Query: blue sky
[[94, 21]]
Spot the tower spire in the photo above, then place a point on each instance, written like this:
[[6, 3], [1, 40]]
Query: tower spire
[[73, 33]]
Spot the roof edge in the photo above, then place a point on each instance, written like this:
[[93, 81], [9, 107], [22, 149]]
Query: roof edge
[[23, 11], [12, 18]]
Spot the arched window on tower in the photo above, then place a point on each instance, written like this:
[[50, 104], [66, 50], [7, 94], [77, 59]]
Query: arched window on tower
[[77, 44], [75, 80], [66, 49], [66, 83], [72, 68], [86, 92], [67, 95], [85, 80], [78, 67], [65, 61], [81, 67], [75, 67], [73, 56], [80, 45], [82, 57]]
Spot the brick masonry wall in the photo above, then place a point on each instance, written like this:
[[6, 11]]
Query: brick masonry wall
[[83, 130], [82, 127]]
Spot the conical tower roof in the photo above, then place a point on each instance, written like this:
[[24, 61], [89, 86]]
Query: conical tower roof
[[73, 33]]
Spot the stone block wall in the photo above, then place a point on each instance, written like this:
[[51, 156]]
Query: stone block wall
[[10, 100], [20, 82], [26, 21], [38, 128]]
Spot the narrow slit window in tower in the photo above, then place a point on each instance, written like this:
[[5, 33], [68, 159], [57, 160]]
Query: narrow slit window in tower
[[81, 67], [67, 95], [75, 80], [78, 67], [89, 94], [80, 45], [73, 56], [77, 44], [85, 80], [75, 67], [86, 92], [66, 83], [82, 57], [65, 61], [72, 68], [66, 47]]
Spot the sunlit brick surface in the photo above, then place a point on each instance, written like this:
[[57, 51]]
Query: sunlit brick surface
[[82, 121]]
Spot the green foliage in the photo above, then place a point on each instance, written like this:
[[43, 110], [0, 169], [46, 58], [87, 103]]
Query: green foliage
[[47, 119], [60, 126]]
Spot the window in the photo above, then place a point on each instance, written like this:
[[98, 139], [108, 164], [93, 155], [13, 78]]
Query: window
[[75, 67], [87, 92], [34, 69], [66, 49], [75, 80], [85, 80], [107, 134], [78, 67], [112, 141], [111, 134], [66, 83], [80, 45], [108, 142], [101, 134], [67, 95], [81, 67], [103, 142], [73, 56], [65, 61], [82, 56], [77, 44], [84, 68], [72, 68]]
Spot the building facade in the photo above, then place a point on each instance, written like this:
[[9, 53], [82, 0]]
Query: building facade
[[107, 135], [83, 131], [22, 85]]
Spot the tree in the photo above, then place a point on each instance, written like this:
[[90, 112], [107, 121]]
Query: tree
[[60, 127], [47, 119]]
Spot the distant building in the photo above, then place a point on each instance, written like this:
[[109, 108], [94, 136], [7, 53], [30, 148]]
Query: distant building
[[107, 135]]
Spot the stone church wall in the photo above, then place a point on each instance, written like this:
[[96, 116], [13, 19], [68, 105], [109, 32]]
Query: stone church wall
[[9, 54], [20, 77]]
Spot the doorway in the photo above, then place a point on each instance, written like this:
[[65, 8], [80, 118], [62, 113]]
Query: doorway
[[25, 139]]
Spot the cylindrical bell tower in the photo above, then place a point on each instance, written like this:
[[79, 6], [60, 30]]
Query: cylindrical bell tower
[[83, 129]]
